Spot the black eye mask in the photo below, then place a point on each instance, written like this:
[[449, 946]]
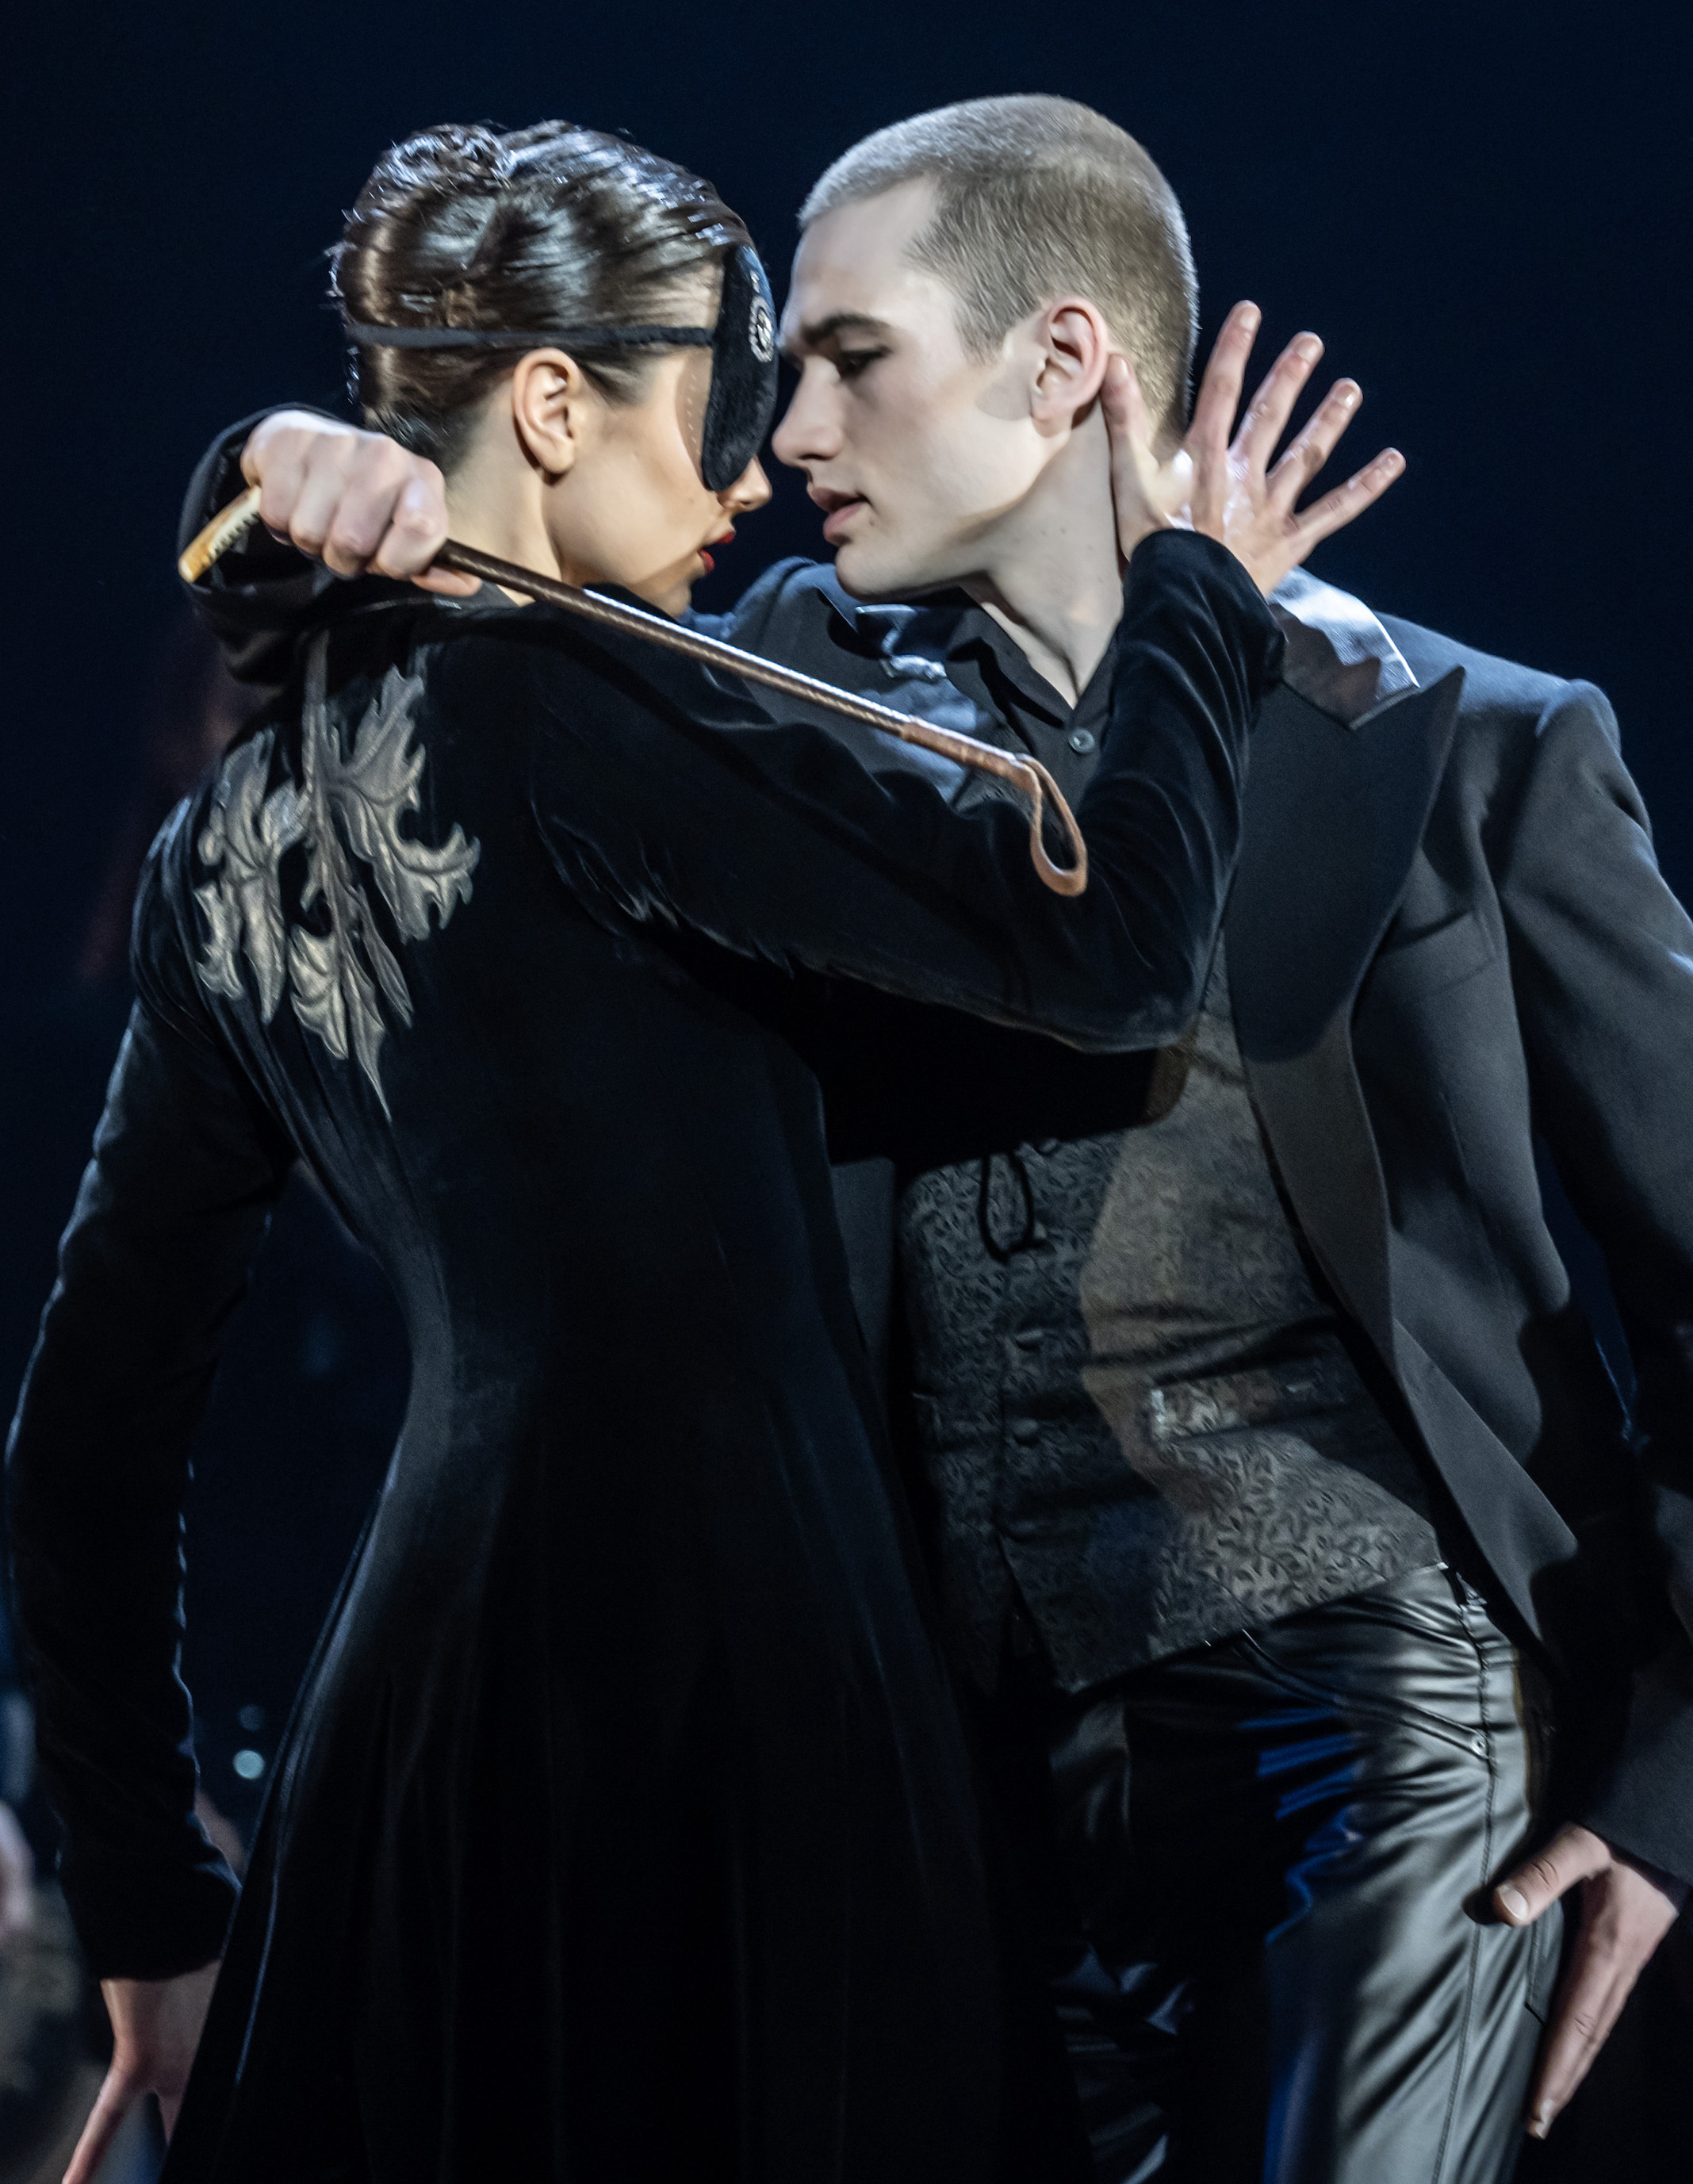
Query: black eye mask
[[742, 345]]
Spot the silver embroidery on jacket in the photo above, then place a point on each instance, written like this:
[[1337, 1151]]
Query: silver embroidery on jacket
[[341, 808]]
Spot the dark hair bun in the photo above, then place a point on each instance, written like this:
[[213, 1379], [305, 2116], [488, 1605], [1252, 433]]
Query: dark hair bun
[[465, 225]]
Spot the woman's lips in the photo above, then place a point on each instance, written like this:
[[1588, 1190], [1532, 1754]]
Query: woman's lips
[[836, 521], [723, 538]]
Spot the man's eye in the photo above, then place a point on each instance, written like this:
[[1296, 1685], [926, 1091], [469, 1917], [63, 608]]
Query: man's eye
[[851, 362]]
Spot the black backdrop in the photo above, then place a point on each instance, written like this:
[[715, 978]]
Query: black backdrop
[[1484, 208]]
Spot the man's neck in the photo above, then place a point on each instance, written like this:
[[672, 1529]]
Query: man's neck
[[1054, 581]]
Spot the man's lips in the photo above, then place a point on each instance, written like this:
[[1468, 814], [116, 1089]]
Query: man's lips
[[838, 509]]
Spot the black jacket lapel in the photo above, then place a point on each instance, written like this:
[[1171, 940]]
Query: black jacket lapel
[[1334, 817]]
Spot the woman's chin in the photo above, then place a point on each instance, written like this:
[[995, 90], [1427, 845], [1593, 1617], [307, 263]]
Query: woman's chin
[[672, 592]]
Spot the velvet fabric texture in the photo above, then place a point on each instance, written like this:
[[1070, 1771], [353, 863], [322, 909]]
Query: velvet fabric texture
[[624, 1829]]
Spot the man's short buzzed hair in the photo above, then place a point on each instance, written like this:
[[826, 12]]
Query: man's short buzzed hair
[[1038, 198]]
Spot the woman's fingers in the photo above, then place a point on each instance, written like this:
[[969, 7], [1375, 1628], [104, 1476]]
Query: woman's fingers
[[1264, 423], [355, 500], [1339, 508], [119, 2093], [1315, 444]]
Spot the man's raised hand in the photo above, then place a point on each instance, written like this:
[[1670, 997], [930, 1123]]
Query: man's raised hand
[[354, 500], [1148, 494], [1237, 496]]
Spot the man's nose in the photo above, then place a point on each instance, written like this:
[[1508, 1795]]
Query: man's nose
[[750, 490], [806, 433]]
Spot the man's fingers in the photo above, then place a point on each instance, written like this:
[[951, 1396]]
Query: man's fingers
[[1141, 490], [1225, 375], [1265, 422], [1587, 2009], [118, 2095], [1626, 1911], [1315, 444], [1574, 1853], [1331, 513]]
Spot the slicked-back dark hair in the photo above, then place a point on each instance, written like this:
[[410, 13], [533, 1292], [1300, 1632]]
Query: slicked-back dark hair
[[466, 225]]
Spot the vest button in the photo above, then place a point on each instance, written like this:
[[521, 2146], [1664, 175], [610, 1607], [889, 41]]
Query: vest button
[[1024, 1432], [1081, 739]]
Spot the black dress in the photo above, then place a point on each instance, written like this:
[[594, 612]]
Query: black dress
[[623, 1829]]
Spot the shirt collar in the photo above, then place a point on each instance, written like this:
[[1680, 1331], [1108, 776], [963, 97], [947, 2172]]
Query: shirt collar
[[1340, 657]]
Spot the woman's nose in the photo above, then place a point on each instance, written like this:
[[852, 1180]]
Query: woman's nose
[[750, 490]]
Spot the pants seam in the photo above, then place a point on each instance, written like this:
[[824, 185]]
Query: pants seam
[[1474, 1953]]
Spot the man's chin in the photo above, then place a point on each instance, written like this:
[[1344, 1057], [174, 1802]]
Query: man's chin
[[865, 569]]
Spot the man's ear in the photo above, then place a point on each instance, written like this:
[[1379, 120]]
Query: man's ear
[[549, 397], [1075, 345]]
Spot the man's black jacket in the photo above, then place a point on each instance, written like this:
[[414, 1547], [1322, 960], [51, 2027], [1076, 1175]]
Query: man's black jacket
[[1448, 937]]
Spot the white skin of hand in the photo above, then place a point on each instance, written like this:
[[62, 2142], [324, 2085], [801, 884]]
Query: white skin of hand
[[17, 1879], [156, 2026], [1626, 1911], [359, 503], [1231, 492]]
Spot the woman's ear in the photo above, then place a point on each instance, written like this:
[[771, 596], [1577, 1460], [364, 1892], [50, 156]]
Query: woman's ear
[[1075, 346], [550, 399]]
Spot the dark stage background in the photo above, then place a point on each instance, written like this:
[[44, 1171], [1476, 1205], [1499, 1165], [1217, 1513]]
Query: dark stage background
[[1484, 209]]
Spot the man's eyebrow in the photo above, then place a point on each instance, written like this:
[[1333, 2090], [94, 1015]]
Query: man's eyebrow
[[824, 331]]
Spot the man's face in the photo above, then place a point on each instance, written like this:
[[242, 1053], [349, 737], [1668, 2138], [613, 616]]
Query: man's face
[[915, 450]]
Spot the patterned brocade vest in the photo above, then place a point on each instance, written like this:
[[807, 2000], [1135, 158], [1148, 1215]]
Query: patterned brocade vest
[[1136, 1407]]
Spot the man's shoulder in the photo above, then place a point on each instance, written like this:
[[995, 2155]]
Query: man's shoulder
[[1493, 685], [791, 592]]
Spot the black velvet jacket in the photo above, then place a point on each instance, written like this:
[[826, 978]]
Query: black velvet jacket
[[1450, 947], [629, 1742]]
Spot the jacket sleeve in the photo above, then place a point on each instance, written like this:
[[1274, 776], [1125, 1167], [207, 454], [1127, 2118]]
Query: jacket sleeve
[[1602, 963], [171, 1209], [842, 852]]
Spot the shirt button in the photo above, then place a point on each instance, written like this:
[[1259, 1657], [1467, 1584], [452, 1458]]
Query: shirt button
[[1024, 1431], [1081, 739]]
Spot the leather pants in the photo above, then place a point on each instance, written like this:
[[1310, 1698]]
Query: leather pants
[[1260, 1873]]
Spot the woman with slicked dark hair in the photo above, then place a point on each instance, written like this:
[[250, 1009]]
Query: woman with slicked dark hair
[[623, 1830]]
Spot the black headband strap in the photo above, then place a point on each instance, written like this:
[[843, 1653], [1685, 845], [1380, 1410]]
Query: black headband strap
[[556, 337]]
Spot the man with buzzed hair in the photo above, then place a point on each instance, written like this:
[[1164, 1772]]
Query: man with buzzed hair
[[1283, 1506]]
